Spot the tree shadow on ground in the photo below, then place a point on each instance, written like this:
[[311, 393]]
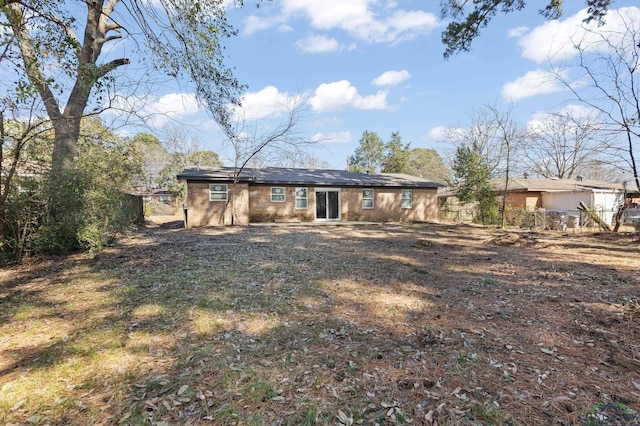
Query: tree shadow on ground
[[283, 324]]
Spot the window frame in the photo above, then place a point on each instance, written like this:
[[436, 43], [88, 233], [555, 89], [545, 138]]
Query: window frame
[[212, 191], [305, 198], [372, 198], [405, 199], [283, 194]]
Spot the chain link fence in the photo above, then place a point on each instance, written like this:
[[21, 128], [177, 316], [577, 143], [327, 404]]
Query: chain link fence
[[557, 220]]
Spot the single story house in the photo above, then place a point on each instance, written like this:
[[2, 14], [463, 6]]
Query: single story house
[[559, 195], [159, 195], [214, 197]]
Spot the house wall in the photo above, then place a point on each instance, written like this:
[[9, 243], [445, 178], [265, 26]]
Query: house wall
[[262, 209], [565, 200], [524, 200], [387, 205], [203, 212], [606, 204], [253, 204]]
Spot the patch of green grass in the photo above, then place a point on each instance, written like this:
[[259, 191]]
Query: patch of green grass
[[466, 358], [260, 390], [28, 311], [488, 281], [307, 418], [486, 413]]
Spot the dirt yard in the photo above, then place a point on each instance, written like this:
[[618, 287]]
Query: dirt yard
[[374, 324]]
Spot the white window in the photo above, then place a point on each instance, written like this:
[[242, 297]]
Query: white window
[[277, 194], [302, 199], [218, 192], [367, 199], [407, 202]]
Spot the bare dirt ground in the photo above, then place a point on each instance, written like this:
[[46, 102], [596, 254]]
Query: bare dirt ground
[[373, 324]]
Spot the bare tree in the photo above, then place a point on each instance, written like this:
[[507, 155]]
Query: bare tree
[[609, 82], [486, 135], [180, 143], [254, 146], [509, 137], [565, 145], [491, 138], [300, 158]]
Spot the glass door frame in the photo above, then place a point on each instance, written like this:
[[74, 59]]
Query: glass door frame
[[327, 207]]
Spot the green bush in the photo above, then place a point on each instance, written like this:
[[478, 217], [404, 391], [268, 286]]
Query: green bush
[[79, 209], [524, 218]]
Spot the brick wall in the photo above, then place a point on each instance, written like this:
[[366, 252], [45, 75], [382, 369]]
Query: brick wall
[[203, 212], [262, 209], [387, 205], [524, 200], [253, 204]]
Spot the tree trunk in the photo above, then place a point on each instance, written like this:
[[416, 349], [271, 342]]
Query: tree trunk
[[618, 218], [67, 131], [3, 215]]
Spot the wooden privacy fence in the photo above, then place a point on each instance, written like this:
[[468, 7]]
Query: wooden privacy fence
[[133, 207]]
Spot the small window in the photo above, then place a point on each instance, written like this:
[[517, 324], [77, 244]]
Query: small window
[[218, 192], [302, 200], [367, 199], [407, 202], [277, 194]]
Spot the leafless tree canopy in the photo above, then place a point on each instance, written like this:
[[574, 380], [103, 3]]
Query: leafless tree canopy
[[608, 81], [565, 145]]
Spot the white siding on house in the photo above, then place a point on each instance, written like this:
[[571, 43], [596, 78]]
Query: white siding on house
[[565, 200], [605, 203]]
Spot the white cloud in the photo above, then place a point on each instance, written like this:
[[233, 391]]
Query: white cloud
[[533, 83], [391, 78], [517, 32], [318, 44], [342, 95], [268, 102], [254, 23], [157, 112], [444, 133], [333, 137], [356, 17], [438, 133], [404, 25], [177, 104], [581, 113], [556, 39]]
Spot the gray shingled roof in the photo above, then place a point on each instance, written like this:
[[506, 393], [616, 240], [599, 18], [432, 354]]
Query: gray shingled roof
[[551, 185], [307, 177], [560, 185]]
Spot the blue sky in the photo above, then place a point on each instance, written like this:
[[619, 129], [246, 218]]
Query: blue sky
[[377, 65]]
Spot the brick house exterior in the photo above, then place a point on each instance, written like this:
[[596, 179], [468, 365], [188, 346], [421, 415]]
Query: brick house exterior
[[304, 195], [551, 195]]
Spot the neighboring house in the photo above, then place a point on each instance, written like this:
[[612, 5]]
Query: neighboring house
[[560, 195], [286, 194], [159, 201], [160, 195]]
